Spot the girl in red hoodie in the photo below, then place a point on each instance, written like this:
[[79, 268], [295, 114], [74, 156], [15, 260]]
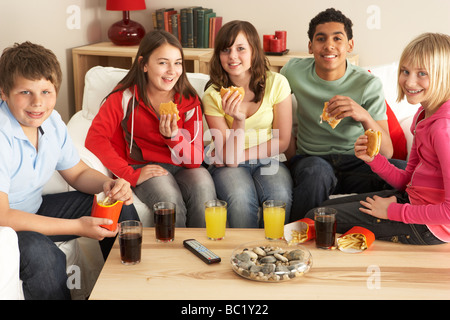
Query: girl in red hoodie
[[160, 155]]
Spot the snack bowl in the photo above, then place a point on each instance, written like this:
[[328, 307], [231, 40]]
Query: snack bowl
[[270, 261]]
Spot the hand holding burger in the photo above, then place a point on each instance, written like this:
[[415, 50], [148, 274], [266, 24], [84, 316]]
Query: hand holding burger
[[231, 101], [368, 145], [231, 90]]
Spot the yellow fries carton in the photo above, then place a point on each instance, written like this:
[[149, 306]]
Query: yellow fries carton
[[357, 239], [299, 231]]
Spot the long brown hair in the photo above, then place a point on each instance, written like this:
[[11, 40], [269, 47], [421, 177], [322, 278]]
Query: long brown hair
[[137, 77], [259, 65]]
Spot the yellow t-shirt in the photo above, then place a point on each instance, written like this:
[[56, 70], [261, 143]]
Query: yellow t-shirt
[[258, 127]]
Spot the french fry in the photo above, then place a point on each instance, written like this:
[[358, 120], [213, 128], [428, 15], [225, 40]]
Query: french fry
[[106, 202], [298, 236], [299, 231], [355, 241]]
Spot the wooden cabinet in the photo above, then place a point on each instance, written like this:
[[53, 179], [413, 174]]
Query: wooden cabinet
[[108, 54]]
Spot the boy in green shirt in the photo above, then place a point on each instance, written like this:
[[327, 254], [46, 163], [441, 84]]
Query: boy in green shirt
[[324, 161]]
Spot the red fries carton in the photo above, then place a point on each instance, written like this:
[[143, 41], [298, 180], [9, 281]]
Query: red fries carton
[[357, 239], [299, 231], [105, 209]]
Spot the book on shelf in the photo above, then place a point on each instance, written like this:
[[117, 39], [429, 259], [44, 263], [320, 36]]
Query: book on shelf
[[208, 17], [176, 25], [162, 17], [215, 23], [195, 27], [195, 24]]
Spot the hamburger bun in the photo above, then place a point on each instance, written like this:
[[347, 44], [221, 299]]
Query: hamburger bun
[[166, 108], [325, 116], [232, 90], [374, 143]]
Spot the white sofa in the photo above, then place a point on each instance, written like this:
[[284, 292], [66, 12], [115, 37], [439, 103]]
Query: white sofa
[[99, 81], [85, 253]]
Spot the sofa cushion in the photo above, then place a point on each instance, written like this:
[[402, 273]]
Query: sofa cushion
[[98, 83], [388, 75], [198, 81], [397, 135]]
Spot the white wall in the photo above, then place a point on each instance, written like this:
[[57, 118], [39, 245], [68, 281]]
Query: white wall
[[59, 25], [381, 27]]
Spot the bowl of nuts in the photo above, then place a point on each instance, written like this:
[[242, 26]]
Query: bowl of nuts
[[270, 261]]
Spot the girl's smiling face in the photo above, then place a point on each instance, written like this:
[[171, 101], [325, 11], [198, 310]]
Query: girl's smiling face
[[31, 101], [164, 67], [414, 82], [236, 60]]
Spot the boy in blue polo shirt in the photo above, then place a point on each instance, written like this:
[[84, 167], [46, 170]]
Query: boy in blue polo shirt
[[34, 142]]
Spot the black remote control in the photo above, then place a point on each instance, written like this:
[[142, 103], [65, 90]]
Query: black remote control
[[201, 251]]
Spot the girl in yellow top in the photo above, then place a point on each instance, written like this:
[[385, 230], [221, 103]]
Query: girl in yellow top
[[250, 133]]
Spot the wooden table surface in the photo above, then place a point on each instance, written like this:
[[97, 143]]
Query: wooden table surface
[[169, 271]]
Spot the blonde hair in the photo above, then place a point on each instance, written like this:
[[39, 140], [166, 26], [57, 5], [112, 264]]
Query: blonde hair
[[430, 51]]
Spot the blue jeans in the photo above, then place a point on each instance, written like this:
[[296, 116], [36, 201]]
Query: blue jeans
[[317, 177], [348, 216], [189, 189], [246, 187], [42, 263]]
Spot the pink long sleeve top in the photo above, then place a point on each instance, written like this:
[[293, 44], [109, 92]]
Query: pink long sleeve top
[[426, 178]]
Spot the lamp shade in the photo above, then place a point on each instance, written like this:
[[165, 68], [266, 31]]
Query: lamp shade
[[125, 5]]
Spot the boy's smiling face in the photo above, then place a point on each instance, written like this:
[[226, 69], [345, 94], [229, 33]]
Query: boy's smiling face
[[330, 46], [31, 101]]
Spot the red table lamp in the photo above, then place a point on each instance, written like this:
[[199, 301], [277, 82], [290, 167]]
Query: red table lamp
[[126, 32]]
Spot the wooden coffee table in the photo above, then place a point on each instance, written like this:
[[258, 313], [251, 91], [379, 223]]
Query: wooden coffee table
[[168, 271]]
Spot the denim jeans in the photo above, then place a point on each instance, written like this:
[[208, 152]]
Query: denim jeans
[[317, 177], [189, 189], [42, 263], [348, 216], [247, 186]]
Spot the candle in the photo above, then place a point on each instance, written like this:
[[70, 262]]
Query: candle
[[275, 45], [266, 41], [282, 36]]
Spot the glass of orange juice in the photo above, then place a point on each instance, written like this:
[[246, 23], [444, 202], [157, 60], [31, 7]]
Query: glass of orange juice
[[274, 212], [216, 219]]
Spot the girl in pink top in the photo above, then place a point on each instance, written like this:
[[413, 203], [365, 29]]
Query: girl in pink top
[[419, 211]]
